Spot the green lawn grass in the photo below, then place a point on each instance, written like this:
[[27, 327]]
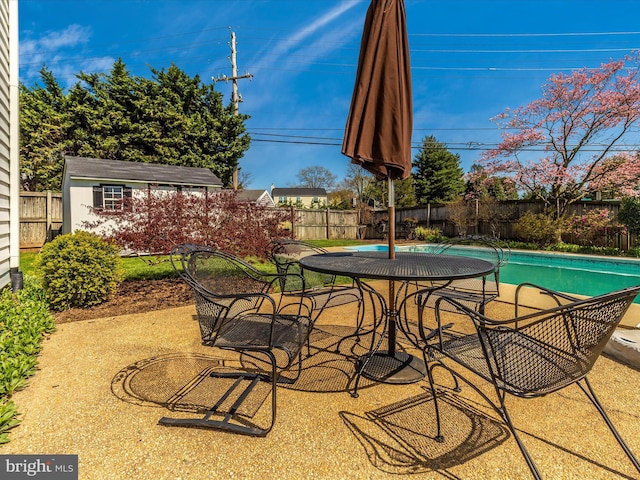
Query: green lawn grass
[[26, 262], [135, 268], [146, 268]]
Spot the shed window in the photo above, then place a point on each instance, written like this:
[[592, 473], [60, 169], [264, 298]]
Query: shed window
[[110, 197], [190, 189]]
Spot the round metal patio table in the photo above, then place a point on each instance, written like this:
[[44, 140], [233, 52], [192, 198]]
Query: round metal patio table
[[393, 366]]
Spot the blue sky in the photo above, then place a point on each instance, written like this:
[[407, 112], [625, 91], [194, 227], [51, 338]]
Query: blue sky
[[470, 60]]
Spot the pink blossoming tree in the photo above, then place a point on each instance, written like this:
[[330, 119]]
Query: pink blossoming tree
[[570, 142]]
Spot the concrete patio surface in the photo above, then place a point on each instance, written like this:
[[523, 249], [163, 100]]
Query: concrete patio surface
[[103, 385]]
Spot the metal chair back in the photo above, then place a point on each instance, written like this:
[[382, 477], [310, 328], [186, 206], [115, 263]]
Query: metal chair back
[[320, 290], [473, 292], [286, 254], [545, 351]]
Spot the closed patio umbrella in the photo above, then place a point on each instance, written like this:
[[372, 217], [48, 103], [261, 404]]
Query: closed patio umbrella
[[379, 126]]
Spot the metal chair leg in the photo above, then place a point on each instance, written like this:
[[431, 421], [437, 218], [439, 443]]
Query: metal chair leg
[[439, 438], [591, 395]]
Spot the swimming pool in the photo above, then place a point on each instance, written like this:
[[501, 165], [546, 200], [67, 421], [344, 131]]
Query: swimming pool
[[579, 274]]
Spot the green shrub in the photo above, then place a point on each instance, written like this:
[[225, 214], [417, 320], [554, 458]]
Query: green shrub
[[24, 318], [433, 235], [537, 228], [629, 214], [633, 252], [513, 244], [564, 247], [8, 419], [584, 249], [79, 270]]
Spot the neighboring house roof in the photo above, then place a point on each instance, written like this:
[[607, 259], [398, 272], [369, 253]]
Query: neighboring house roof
[[298, 192], [261, 197], [118, 170]]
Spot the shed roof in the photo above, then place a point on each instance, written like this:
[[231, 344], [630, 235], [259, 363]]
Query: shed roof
[[106, 170]]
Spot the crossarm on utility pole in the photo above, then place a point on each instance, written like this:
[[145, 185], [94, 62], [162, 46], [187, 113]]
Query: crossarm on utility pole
[[235, 96]]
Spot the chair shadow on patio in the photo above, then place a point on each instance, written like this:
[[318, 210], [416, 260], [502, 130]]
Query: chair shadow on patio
[[179, 382], [182, 382], [331, 367], [400, 438]]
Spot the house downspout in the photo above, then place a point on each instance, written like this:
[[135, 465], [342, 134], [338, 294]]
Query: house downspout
[[14, 153]]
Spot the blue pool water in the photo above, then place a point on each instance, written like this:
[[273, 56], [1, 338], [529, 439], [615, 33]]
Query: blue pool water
[[579, 274]]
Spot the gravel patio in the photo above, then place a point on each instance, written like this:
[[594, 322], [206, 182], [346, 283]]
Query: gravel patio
[[103, 385]]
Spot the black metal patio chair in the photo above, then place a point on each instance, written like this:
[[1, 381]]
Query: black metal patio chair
[[237, 312], [473, 292], [319, 290], [528, 355]]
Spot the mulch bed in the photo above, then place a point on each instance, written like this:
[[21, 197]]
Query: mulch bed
[[137, 296]]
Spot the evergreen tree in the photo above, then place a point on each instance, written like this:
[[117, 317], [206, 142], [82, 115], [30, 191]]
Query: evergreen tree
[[438, 176], [43, 134], [169, 119], [629, 214], [112, 113], [378, 191]]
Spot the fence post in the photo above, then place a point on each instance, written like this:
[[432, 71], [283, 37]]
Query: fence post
[[429, 215], [628, 240], [293, 222], [49, 215], [328, 227]]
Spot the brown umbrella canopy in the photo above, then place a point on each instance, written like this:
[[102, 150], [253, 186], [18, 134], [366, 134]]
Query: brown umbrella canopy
[[378, 131]]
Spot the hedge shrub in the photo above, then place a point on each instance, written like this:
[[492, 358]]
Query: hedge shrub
[[79, 270], [629, 214], [537, 228], [432, 235]]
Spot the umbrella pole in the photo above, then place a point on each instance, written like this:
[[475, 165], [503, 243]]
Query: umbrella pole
[[391, 213], [391, 209]]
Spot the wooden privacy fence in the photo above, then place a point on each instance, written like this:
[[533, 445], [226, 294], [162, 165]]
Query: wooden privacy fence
[[40, 218], [504, 216], [325, 224], [41, 221]]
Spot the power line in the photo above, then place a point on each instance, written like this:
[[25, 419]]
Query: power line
[[454, 129], [466, 60], [510, 35], [556, 50], [454, 146]]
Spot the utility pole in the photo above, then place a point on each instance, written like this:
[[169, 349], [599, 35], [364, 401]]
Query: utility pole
[[236, 98]]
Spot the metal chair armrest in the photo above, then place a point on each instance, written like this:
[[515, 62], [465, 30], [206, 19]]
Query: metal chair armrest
[[558, 297]]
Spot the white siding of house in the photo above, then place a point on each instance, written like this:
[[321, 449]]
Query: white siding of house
[[306, 201], [9, 216], [265, 200]]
